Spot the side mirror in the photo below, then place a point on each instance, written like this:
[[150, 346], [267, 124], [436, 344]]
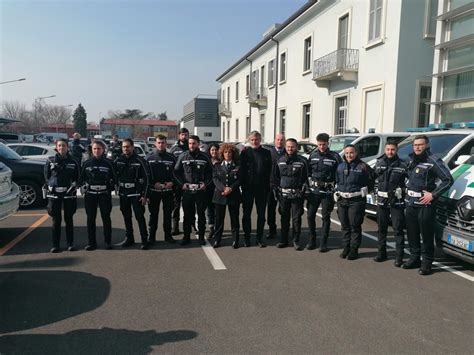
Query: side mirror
[[462, 159]]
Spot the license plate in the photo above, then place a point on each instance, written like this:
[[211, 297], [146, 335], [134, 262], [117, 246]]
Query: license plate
[[460, 242]]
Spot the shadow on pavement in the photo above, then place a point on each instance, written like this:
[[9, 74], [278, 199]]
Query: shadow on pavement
[[92, 341], [30, 299], [60, 262]]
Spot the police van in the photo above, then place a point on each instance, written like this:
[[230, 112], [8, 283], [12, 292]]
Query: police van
[[455, 212]]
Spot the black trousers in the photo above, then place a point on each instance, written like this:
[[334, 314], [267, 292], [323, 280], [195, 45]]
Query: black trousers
[[104, 202], [290, 209], [55, 207], [397, 215], [259, 195], [326, 201], [126, 206], [156, 198], [234, 210], [420, 225], [177, 197], [194, 203], [271, 213], [351, 214]]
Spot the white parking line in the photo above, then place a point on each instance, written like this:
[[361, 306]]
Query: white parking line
[[392, 245]]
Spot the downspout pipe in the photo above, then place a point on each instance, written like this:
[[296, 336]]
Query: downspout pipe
[[277, 59], [250, 88]]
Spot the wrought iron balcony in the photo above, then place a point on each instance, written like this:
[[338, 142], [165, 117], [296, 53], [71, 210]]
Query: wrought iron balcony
[[225, 109], [258, 96], [342, 64]]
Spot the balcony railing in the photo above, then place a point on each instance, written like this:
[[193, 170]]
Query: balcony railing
[[225, 109], [258, 96], [337, 64]]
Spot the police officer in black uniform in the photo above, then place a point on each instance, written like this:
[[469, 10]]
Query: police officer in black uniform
[[277, 152], [177, 149], [322, 170], [390, 172], [77, 149], [193, 172], [161, 165], [98, 180], [132, 176], [290, 175], [226, 177], [115, 147], [354, 180], [61, 174], [424, 169], [256, 167]]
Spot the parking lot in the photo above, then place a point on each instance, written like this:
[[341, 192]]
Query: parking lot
[[195, 299]]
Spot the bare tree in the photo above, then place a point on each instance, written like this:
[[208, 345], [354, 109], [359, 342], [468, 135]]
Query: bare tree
[[17, 111], [56, 114]]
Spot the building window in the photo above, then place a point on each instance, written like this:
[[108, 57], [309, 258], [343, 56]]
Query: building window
[[262, 76], [460, 57], [454, 4], [341, 114], [282, 121], [307, 54], [228, 94], [236, 91], [247, 125], [228, 130], [237, 129], [375, 20], [458, 86], [207, 134], [343, 39], [271, 72], [247, 85], [431, 12], [423, 106], [254, 82], [223, 96], [461, 27], [306, 121], [282, 67], [223, 131], [262, 125]]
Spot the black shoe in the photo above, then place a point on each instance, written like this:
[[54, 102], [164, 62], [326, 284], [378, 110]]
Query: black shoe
[[211, 232], [235, 245], [398, 261], [345, 252], [90, 247], [411, 264], [71, 248], [216, 245], [170, 239], [55, 250], [323, 249], [425, 270], [127, 243], [261, 244], [282, 245], [353, 254], [144, 246], [271, 235], [108, 246], [381, 256], [311, 243], [297, 246], [247, 242], [185, 241]]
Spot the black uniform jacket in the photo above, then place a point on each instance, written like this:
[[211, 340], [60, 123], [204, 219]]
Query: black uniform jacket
[[193, 168], [132, 175], [61, 172], [352, 177], [178, 148], [161, 167], [224, 176], [98, 172], [423, 172], [290, 172], [390, 174], [323, 166]]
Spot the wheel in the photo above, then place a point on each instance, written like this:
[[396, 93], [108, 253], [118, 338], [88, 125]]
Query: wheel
[[30, 194]]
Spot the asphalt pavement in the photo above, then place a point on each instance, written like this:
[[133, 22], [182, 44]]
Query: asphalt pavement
[[194, 299]]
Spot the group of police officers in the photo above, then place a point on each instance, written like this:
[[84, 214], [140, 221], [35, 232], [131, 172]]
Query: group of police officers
[[267, 178]]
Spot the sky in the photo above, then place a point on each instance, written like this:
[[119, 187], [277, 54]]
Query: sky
[[115, 55]]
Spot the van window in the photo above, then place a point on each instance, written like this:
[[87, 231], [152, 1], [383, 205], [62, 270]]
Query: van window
[[440, 145], [467, 149], [368, 147]]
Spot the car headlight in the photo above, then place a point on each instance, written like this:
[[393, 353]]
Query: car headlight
[[465, 208]]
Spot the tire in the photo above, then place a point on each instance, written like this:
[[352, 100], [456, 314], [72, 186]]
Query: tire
[[30, 194]]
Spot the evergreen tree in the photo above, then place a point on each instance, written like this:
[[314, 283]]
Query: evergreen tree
[[80, 120]]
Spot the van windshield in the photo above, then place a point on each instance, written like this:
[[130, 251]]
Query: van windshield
[[440, 145]]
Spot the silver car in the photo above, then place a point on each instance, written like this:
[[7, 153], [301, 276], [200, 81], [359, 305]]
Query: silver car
[[34, 151]]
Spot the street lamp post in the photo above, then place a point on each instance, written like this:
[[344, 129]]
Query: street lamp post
[[12, 81], [39, 99]]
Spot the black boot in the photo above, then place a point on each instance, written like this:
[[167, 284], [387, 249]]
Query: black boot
[[311, 243], [296, 244], [246, 241], [201, 239], [381, 255], [211, 232], [353, 254], [412, 263], [169, 239], [127, 243], [345, 252], [323, 248], [398, 259], [425, 269]]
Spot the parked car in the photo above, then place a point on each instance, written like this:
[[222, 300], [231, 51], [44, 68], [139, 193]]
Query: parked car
[[12, 137], [339, 141], [305, 148], [455, 212], [9, 193], [371, 146], [27, 174], [33, 150], [49, 137]]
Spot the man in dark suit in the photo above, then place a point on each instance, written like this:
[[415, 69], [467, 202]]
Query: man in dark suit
[[256, 166]]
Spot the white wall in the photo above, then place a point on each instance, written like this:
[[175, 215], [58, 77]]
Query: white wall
[[215, 131]]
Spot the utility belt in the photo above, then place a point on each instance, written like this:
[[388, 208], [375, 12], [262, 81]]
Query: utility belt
[[338, 195], [412, 193], [52, 191], [127, 185], [193, 188], [161, 189], [397, 193], [96, 189], [321, 184], [291, 193]]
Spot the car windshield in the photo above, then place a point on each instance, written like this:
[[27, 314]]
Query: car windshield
[[306, 148], [337, 144], [440, 145], [8, 153]]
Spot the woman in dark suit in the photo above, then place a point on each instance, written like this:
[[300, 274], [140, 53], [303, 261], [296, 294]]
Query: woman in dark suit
[[213, 152], [226, 178]]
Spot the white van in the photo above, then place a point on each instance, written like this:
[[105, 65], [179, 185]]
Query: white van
[[49, 137]]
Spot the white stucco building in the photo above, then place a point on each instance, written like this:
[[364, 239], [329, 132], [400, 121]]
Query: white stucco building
[[332, 66], [453, 69]]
